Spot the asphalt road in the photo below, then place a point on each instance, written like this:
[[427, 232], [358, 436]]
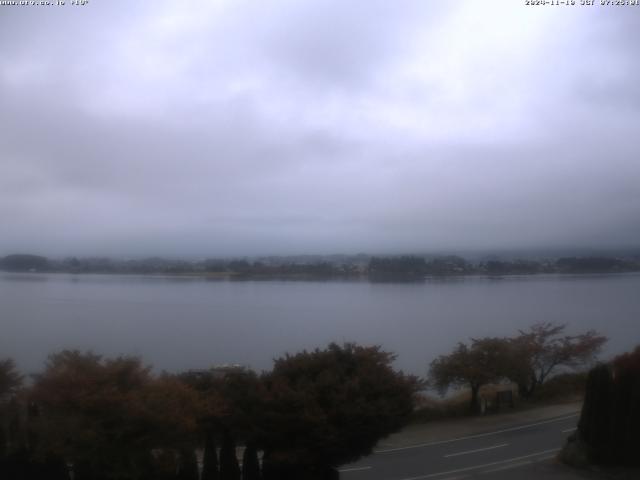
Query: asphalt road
[[518, 451]]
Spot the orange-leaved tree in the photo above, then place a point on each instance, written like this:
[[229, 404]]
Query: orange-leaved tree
[[105, 416], [545, 348]]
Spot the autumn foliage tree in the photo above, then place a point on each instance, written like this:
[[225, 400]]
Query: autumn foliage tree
[[484, 361], [528, 359], [545, 348], [105, 416], [10, 379], [232, 400], [328, 407]]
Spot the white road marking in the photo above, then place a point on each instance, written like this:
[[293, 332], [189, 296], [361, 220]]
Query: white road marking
[[519, 464], [507, 467], [479, 435], [569, 430], [476, 467], [547, 457], [476, 450], [354, 469]]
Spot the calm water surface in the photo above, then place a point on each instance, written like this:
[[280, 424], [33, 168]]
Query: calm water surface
[[181, 323]]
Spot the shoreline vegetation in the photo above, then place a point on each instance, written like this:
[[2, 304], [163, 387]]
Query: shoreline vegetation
[[403, 268], [564, 388], [90, 417], [314, 411]]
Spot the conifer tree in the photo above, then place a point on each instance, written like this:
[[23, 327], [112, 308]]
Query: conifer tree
[[210, 460], [250, 463], [229, 468], [188, 466]]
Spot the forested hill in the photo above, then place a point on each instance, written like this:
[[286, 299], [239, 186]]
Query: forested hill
[[24, 263]]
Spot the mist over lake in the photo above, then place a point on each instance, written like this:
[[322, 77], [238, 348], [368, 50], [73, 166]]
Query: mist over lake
[[177, 323]]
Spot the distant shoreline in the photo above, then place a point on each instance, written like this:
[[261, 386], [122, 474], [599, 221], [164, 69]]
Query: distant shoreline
[[302, 278], [404, 268]]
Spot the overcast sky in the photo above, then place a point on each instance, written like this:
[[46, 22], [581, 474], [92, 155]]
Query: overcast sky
[[232, 127]]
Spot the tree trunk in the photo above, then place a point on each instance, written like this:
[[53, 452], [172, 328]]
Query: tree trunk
[[523, 391], [526, 390], [533, 387], [474, 405]]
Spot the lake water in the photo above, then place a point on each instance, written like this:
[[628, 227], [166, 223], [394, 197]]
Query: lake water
[[182, 323]]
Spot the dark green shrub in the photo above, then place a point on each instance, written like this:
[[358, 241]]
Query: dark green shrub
[[610, 418]]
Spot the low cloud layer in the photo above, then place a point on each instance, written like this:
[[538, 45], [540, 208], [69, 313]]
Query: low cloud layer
[[239, 127]]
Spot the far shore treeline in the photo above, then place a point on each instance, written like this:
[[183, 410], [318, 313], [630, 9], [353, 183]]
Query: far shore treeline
[[402, 267]]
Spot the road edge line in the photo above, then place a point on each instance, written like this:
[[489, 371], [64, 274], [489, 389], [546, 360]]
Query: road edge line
[[476, 467], [478, 435]]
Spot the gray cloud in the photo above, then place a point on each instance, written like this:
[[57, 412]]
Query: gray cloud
[[210, 128]]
